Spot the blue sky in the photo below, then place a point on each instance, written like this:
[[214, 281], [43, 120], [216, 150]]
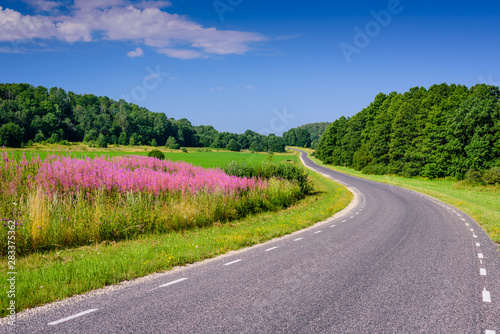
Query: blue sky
[[249, 64]]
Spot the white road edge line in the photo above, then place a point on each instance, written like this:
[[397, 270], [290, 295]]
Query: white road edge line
[[72, 317], [232, 262], [486, 296], [270, 249], [173, 282]]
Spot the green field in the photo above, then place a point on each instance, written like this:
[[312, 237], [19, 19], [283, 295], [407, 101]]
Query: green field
[[55, 275], [195, 156], [480, 202]]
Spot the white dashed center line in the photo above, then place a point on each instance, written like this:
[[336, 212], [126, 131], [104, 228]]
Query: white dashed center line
[[332, 226], [486, 296], [173, 282], [72, 317], [270, 249], [478, 244], [298, 239], [480, 255], [482, 271], [232, 262], [489, 332], [344, 221], [317, 232]]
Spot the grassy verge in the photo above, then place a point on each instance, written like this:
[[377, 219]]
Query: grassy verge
[[480, 202], [51, 276]]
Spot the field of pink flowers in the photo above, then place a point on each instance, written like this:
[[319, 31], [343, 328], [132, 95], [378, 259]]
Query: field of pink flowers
[[62, 202]]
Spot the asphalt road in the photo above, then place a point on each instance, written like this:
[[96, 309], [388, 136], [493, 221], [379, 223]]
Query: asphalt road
[[397, 262]]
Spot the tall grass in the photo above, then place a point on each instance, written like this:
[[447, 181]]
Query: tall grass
[[62, 202]]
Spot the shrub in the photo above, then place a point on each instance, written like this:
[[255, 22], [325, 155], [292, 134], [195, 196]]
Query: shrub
[[492, 176], [183, 149], [101, 141], [156, 154], [374, 169], [473, 177], [11, 135], [233, 146], [172, 143], [269, 169]]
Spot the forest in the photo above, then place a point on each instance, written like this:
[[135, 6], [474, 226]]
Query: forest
[[444, 131], [31, 114], [307, 135]]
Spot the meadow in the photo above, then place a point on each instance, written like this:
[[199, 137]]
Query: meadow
[[54, 274], [62, 201]]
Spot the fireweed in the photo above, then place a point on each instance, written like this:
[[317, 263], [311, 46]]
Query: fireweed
[[64, 202]]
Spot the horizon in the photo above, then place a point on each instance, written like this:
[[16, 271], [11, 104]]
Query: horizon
[[239, 65]]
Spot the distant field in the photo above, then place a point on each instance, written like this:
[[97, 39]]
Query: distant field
[[195, 156]]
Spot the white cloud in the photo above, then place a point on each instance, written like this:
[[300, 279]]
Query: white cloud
[[153, 4], [138, 52], [182, 54], [144, 22], [216, 89], [5, 49], [44, 5]]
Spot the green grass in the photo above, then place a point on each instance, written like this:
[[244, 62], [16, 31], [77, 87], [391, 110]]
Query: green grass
[[195, 156], [55, 275], [480, 202]]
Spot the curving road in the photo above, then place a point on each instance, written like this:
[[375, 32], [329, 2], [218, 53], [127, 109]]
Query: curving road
[[396, 262]]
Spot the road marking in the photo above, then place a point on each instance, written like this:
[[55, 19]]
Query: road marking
[[481, 261], [351, 217], [298, 239], [474, 236], [332, 226], [344, 221], [467, 224], [472, 230], [173, 282], [72, 317], [486, 296], [463, 219], [270, 249], [317, 232], [480, 255], [478, 244], [232, 262], [482, 271], [357, 212], [489, 332]]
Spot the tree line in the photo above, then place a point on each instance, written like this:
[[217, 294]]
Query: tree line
[[307, 135], [446, 130], [38, 114]]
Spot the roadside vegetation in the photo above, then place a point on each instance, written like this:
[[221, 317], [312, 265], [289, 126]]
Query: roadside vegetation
[[62, 202], [52, 273]]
